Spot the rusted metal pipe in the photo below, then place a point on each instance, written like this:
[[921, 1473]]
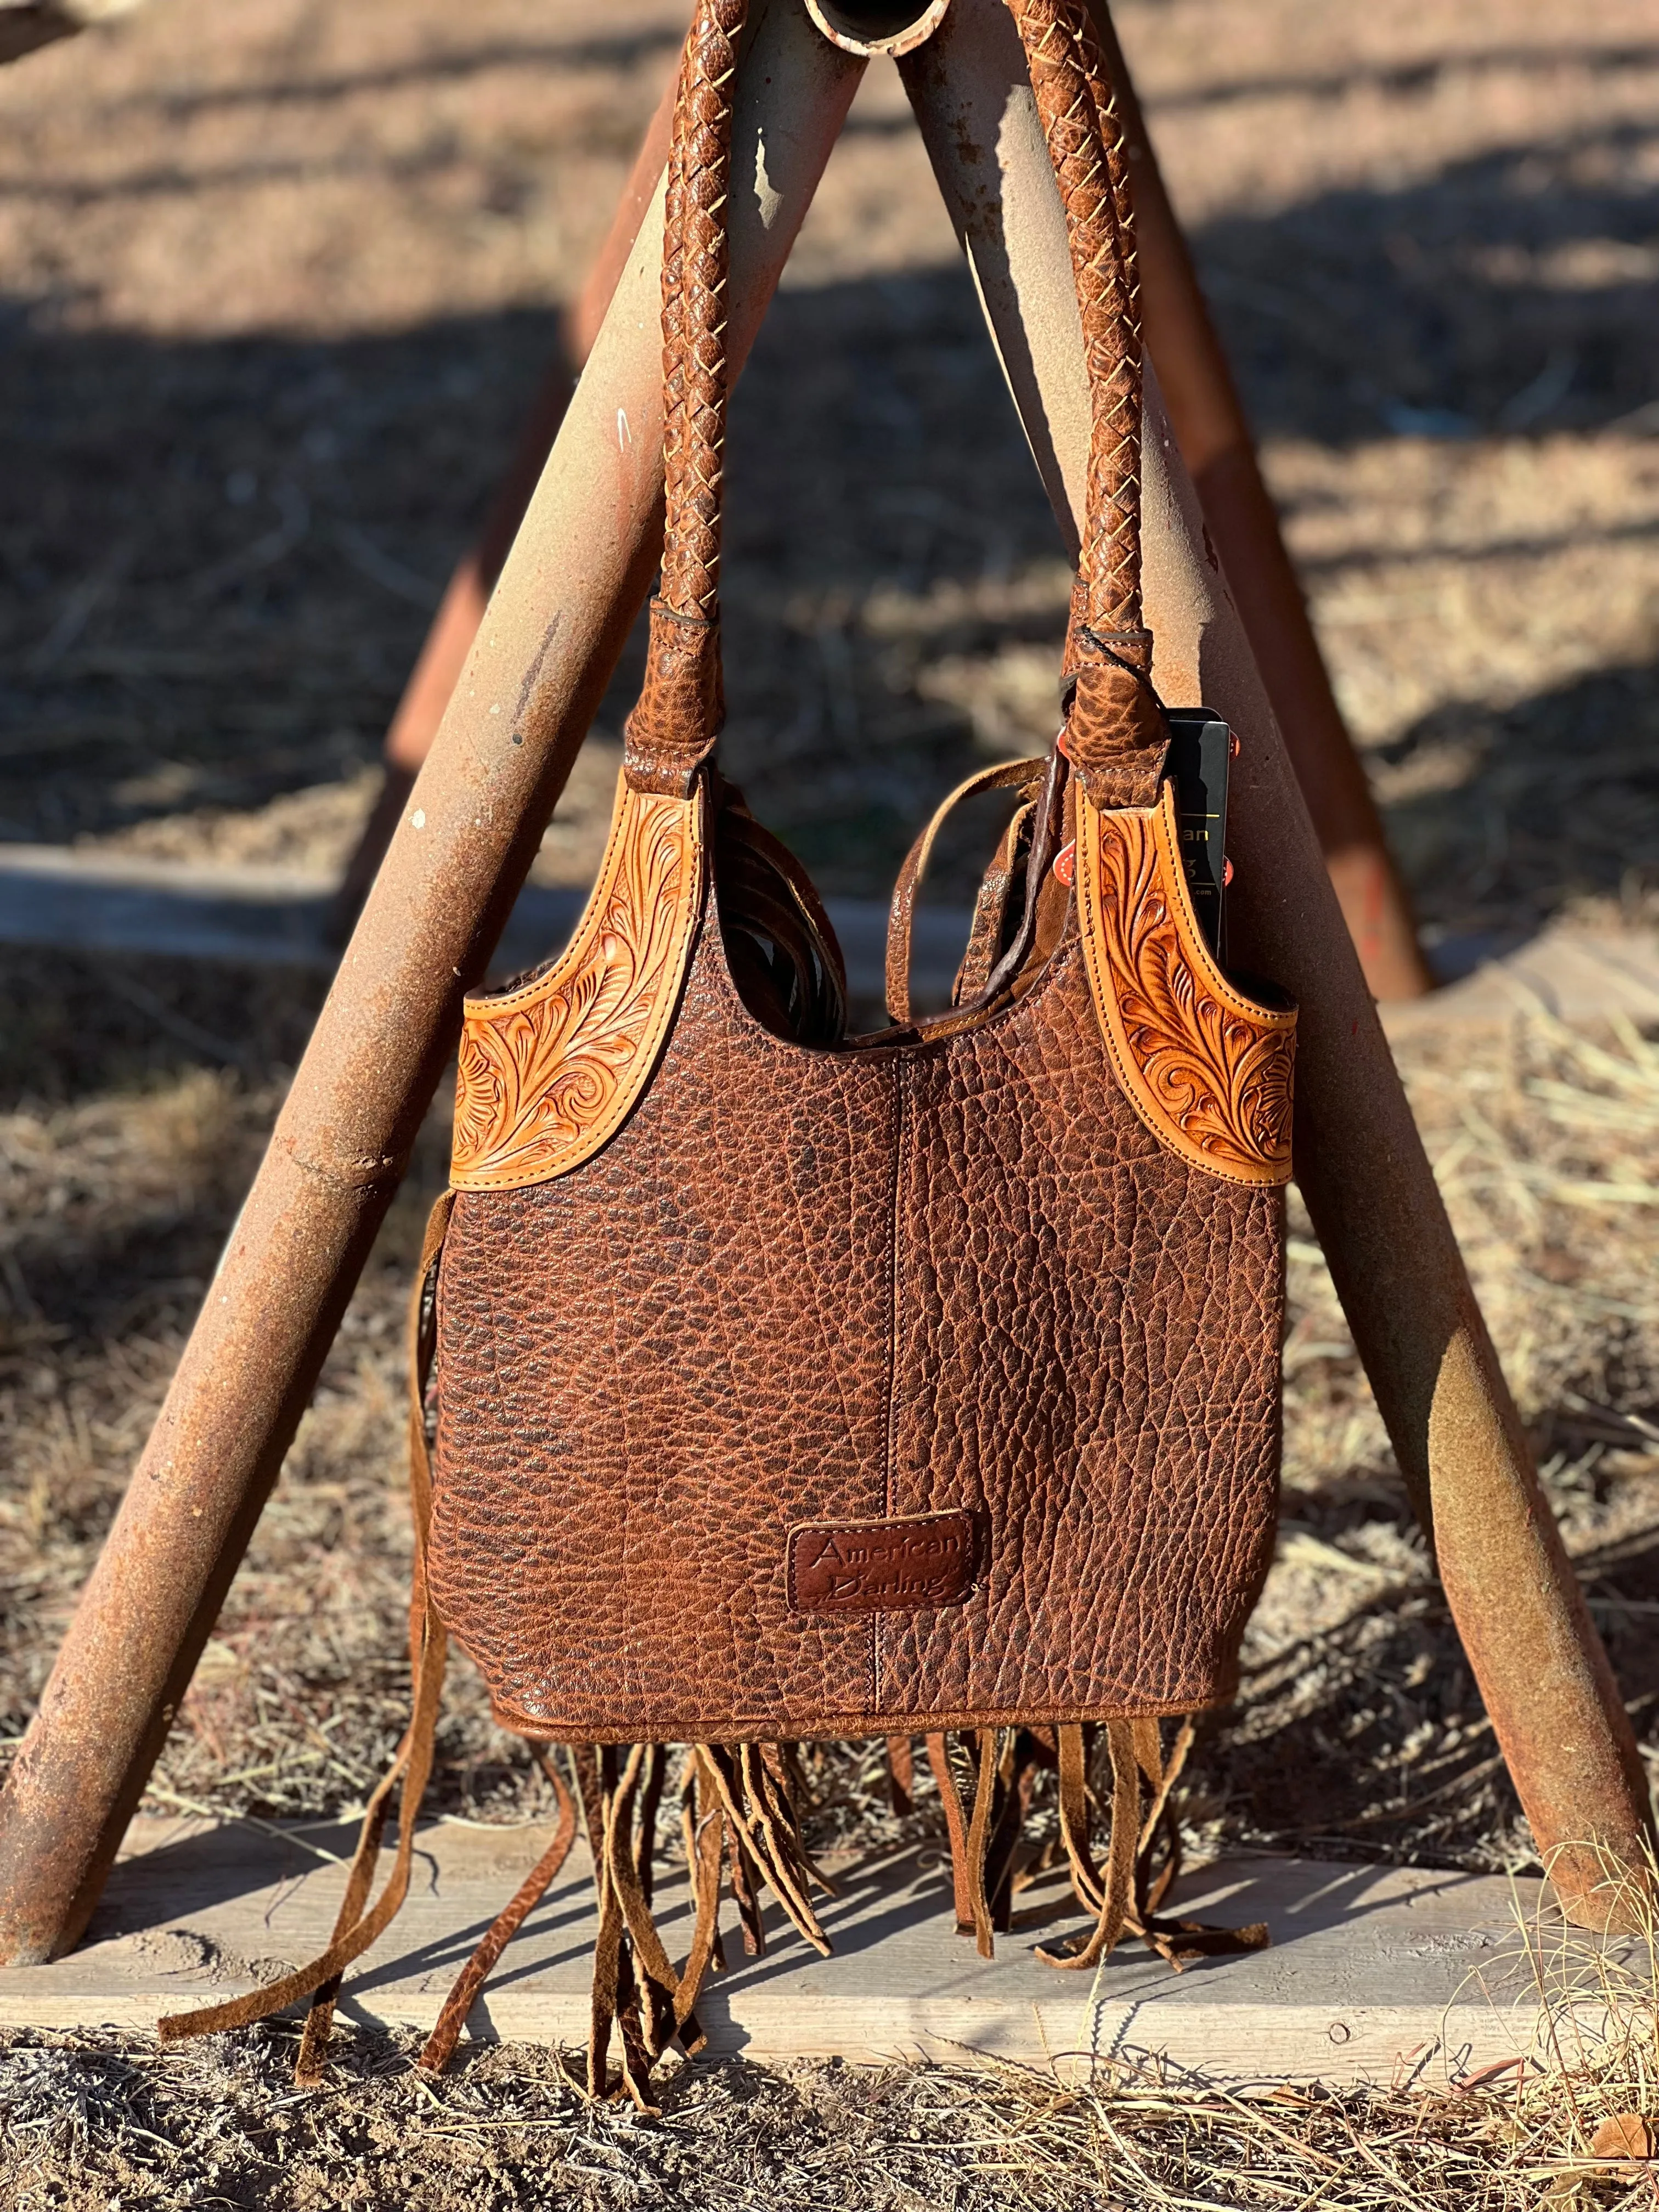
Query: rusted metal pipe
[[1536, 1654], [570, 588], [877, 27], [1219, 453], [1215, 443], [576, 576], [443, 654], [25, 25], [863, 31]]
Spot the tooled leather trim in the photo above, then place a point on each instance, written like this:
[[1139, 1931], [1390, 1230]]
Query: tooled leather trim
[[550, 1072], [1207, 1070]]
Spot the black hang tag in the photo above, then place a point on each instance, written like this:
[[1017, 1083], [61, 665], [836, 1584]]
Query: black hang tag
[[1200, 754]]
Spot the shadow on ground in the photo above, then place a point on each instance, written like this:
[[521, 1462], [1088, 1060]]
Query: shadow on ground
[[219, 559]]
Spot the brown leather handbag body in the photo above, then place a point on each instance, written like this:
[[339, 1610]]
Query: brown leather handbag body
[[790, 1385]]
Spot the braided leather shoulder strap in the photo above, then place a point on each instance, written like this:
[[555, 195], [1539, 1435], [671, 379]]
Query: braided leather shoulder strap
[[1115, 731], [1116, 735], [1103, 262], [672, 730]]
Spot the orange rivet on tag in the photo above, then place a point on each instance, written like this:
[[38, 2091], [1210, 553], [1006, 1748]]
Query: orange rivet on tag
[[1226, 873], [1065, 864]]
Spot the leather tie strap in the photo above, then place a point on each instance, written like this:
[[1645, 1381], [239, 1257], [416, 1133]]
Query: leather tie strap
[[358, 1925], [901, 916]]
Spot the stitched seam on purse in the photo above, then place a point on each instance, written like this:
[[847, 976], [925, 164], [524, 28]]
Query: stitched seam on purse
[[902, 1123]]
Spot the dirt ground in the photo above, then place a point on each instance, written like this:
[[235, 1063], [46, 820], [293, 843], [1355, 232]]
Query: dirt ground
[[278, 285]]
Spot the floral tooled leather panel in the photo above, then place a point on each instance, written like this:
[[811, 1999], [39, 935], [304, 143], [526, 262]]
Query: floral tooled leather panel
[[550, 1071], [1207, 1070]]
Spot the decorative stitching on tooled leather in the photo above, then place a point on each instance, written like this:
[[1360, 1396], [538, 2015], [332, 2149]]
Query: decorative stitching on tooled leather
[[550, 1072], [1208, 1070]]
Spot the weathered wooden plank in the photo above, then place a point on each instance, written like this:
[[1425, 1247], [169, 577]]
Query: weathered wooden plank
[[1374, 1974], [1583, 976], [96, 901]]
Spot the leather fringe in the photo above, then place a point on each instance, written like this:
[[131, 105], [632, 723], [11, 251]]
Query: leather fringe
[[740, 1813], [358, 1926], [441, 2044], [738, 1804], [1145, 1851]]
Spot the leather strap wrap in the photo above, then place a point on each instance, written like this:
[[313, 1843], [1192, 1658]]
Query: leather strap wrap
[[1115, 731], [672, 730]]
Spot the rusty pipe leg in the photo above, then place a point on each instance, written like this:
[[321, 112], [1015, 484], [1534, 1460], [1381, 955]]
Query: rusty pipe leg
[[1215, 442], [1533, 1650], [576, 576], [1536, 1654], [443, 654]]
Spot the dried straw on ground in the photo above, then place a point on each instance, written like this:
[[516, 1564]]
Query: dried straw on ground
[[275, 286], [93, 2121]]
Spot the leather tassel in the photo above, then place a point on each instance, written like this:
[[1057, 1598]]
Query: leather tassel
[[1176, 1942], [789, 1791], [955, 1825], [901, 1775], [979, 1833], [746, 1895], [320, 2017], [607, 1989], [656, 1983], [585, 1767], [1074, 1818], [645, 1843], [764, 1825], [1137, 1755], [704, 1828], [637, 1990], [635, 2049], [1016, 1778], [441, 2044], [1118, 1891]]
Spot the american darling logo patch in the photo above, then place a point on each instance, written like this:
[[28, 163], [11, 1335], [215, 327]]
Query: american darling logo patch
[[882, 1566]]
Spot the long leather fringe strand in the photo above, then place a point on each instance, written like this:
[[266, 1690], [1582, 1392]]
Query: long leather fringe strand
[[358, 1925]]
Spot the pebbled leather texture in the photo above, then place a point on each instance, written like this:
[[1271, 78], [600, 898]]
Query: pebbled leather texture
[[803, 1287], [954, 1274]]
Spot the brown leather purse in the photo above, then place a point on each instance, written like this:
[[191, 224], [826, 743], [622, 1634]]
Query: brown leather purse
[[790, 1385]]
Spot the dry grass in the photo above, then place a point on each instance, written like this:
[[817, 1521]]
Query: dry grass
[[92, 2120], [1359, 1732], [273, 296]]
